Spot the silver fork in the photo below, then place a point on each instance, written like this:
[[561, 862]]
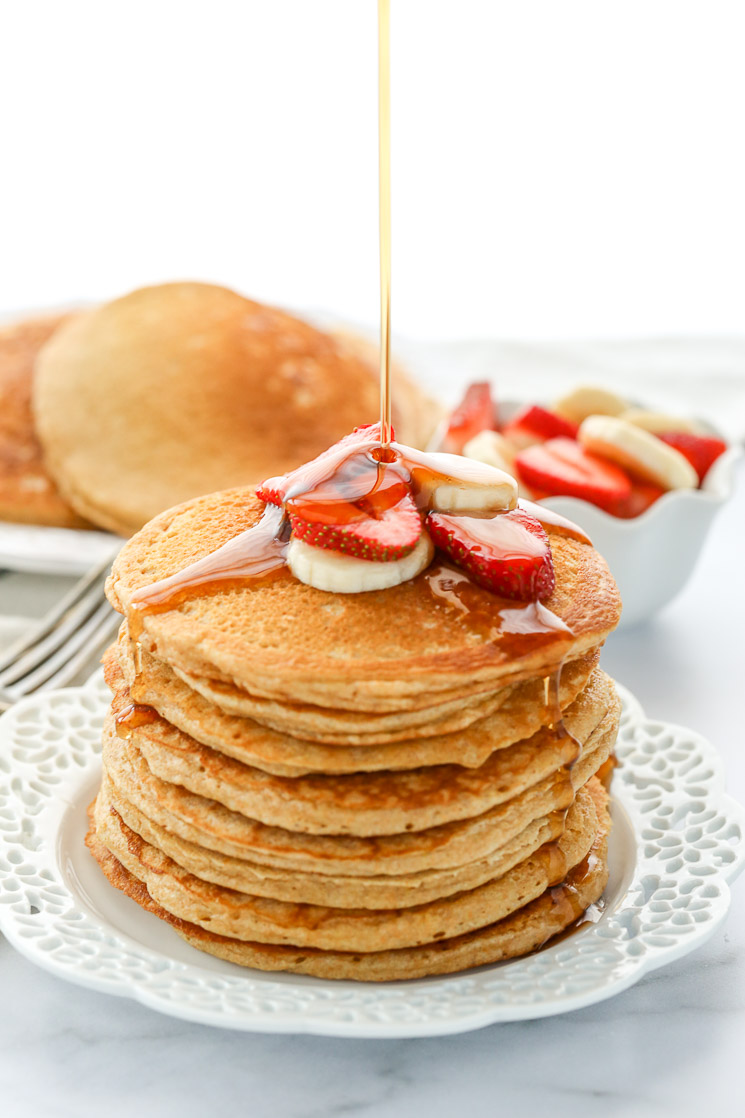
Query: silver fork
[[80, 625]]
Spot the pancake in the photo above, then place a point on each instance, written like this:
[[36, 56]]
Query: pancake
[[378, 891], [278, 638], [245, 916], [28, 495], [521, 711], [207, 823], [194, 388], [368, 804], [220, 711], [526, 930]]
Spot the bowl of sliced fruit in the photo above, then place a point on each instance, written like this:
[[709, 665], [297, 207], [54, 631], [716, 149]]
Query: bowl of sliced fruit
[[644, 485]]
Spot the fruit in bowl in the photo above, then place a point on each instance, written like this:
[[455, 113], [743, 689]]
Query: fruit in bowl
[[644, 484]]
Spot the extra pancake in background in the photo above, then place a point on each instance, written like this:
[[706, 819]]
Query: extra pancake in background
[[528, 927], [398, 649], [185, 388], [28, 495]]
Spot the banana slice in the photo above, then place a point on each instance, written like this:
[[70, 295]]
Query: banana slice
[[451, 483], [493, 449], [639, 451], [589, 399], [659, 423], [343, 574]]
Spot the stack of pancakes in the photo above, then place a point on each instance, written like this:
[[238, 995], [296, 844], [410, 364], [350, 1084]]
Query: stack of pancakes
[[371, 786], [28, 493]]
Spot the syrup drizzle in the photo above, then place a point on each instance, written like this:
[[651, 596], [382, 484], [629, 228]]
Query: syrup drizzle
[[132, 717], [384, 205], [257, 552]]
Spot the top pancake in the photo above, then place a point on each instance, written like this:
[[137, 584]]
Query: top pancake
[[27, 493], [278, 638], [184, 388]]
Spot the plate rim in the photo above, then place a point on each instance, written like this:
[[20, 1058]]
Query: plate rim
[[707, 878]]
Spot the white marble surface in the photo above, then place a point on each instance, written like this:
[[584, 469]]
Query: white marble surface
[[672, 1045]]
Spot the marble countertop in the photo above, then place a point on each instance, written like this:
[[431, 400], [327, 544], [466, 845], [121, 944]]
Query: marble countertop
[[670, 1045]]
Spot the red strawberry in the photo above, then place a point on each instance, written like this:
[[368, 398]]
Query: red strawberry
[[392, 531], [701, 451], [563, 468], [536, 424], [642, 495], [508, 553], [274, 489], [476, 412]]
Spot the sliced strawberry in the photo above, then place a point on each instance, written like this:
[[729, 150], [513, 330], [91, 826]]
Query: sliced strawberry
[[391, 532], [536, 424], [508, 554], [273, 490], [642, 495], [563, 468], [476, 412], [701, 451]]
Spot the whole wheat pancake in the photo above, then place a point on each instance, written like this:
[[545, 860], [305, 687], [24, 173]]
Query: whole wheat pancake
[[27, 492], [207, 823], [378, 891], [384, 803], [520, 713], [245, 916], [281, 639], [526, 930], [185, 388], [227, 713]]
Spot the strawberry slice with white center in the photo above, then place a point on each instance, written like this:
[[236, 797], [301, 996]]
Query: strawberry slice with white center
[[509, 554], [476, 412], [563, 468], [701, 451], [380, 531], [305, 477], [534, 424]]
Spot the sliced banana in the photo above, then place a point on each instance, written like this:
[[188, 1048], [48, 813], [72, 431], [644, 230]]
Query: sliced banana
[[343, 574], [659, 423], [589, 399], [639, 451], [493, 449], [451, 483]]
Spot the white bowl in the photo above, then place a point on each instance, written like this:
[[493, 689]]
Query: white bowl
[[652, 556]]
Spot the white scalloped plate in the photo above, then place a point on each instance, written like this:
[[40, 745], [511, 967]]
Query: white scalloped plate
[[667, 893]]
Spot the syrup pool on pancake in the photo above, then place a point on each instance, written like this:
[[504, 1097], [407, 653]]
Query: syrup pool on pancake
[[363, 517]]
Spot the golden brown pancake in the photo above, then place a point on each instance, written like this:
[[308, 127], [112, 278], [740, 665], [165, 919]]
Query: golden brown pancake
[[250, 917], [380, 803], [394, 649], [208, 823], [28, 494], [374, 891], [520, 711], [185, 388], [527, 928]]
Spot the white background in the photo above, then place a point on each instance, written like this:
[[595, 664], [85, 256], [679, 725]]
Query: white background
[[561, 168]]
